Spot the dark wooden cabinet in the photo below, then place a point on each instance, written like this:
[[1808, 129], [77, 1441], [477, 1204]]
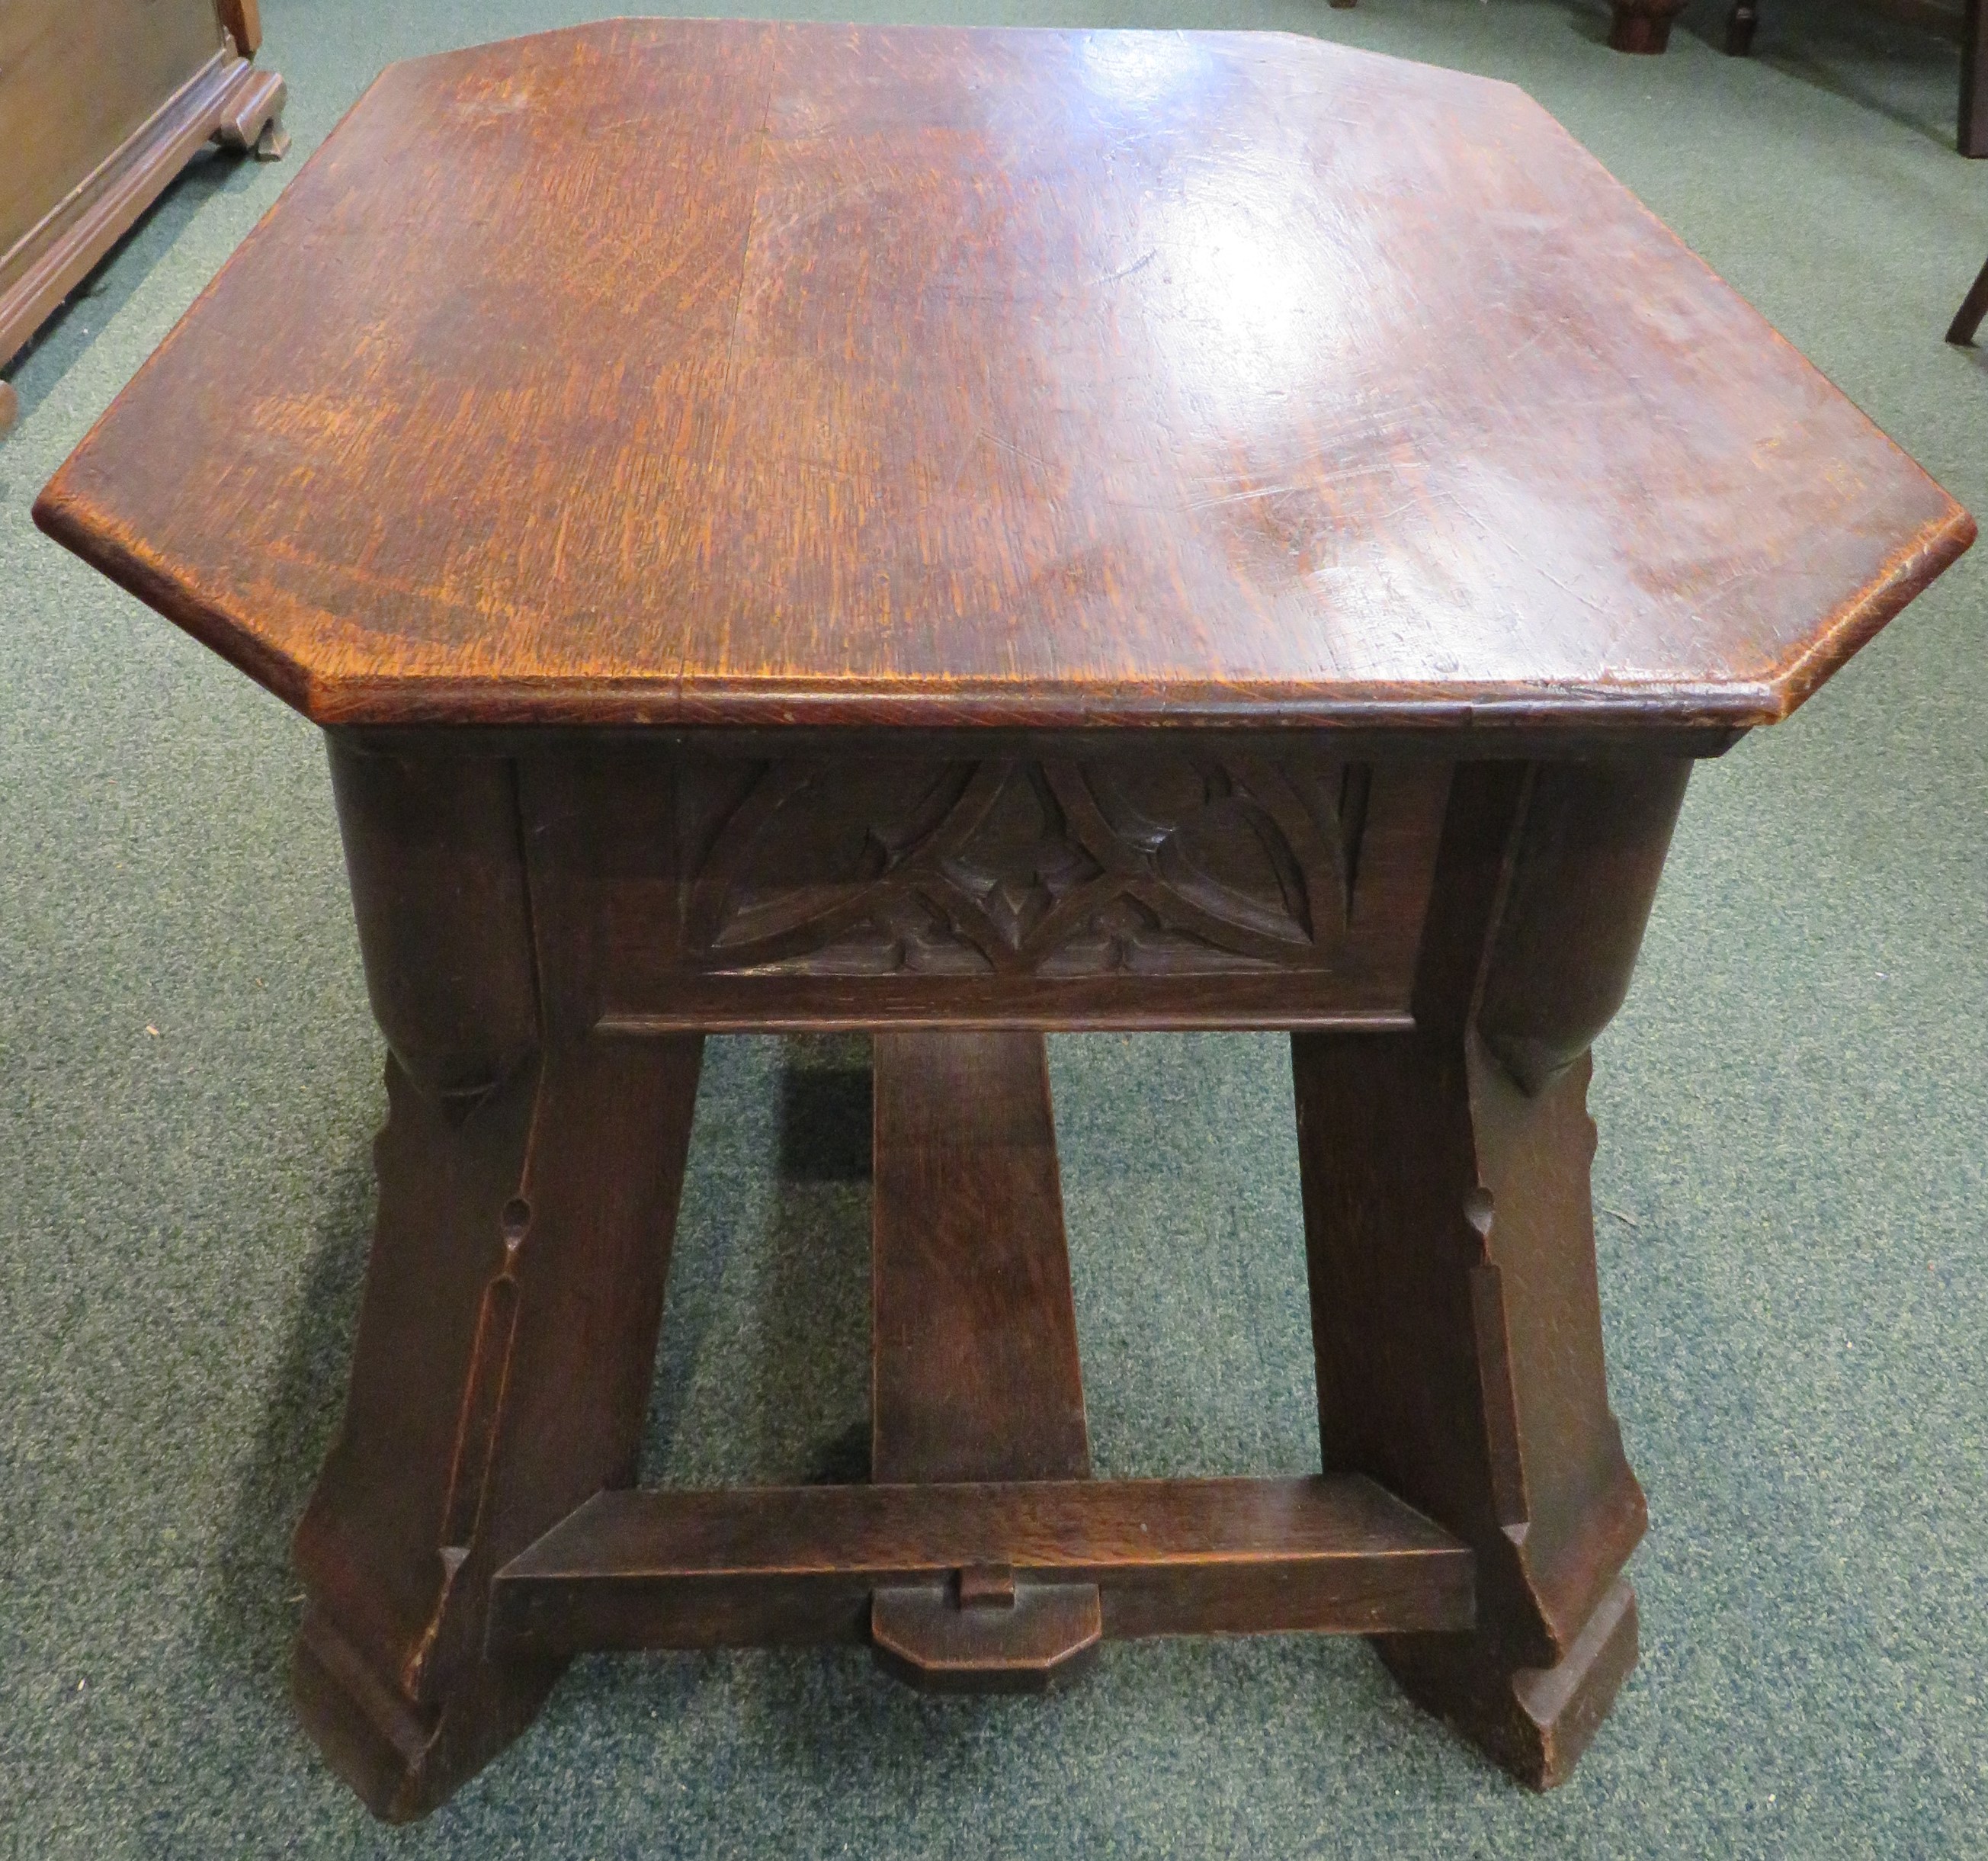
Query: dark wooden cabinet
[[102, 103]]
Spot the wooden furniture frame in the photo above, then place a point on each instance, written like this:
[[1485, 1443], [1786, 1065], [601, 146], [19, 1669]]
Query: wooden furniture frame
[[541, 1109], [798, 527], [99, 111]]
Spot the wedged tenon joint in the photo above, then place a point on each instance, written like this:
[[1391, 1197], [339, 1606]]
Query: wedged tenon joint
[[438, 889], [1582, 878]]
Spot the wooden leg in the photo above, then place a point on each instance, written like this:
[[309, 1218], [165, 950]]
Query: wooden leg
[[10, 405], [1974, 307], [975, 1374], [1740, 24], [984, 1558], [1458, 1338], [507, 1334], [505, 1344], [1642, 25], [1451, 1241]]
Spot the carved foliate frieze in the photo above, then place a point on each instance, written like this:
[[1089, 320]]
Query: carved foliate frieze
[[733, 883], [1156, 865]]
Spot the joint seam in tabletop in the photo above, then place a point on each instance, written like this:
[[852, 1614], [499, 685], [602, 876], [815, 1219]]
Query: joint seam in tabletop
[[772, 50]]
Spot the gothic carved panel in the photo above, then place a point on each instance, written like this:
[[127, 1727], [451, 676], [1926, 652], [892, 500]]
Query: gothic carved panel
[[1161, 864], [680, 882]]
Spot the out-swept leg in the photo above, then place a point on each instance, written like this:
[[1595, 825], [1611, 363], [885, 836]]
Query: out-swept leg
[[528, 1195], [1451, 1242]]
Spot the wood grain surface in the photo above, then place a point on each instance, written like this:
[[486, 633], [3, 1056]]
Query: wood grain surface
[[669, 1567], [757, 373], [974, 1368]]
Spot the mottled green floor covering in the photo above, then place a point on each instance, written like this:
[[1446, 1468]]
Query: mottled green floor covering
[[1792, 1110]]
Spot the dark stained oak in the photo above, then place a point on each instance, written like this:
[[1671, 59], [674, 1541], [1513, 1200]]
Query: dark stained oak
[[1455, 1313], [756, 373], [507, 1333], [982, 1630], [506, 1341], [973, 1341], [902, 880], [1971, 137], [666, 1569], [806, 526], [975, 1373]]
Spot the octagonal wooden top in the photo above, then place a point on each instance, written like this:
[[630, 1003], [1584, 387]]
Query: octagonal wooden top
[[663, 371]]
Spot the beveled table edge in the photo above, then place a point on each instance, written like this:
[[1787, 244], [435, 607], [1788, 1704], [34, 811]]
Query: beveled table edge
[[856, 703]]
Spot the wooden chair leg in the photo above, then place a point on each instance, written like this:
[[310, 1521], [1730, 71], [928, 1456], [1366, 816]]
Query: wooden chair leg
[[1974, 307], [507, 1333], [1455, 1310]]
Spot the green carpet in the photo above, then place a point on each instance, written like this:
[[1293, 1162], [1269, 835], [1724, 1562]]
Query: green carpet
[[1793, 1109]]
